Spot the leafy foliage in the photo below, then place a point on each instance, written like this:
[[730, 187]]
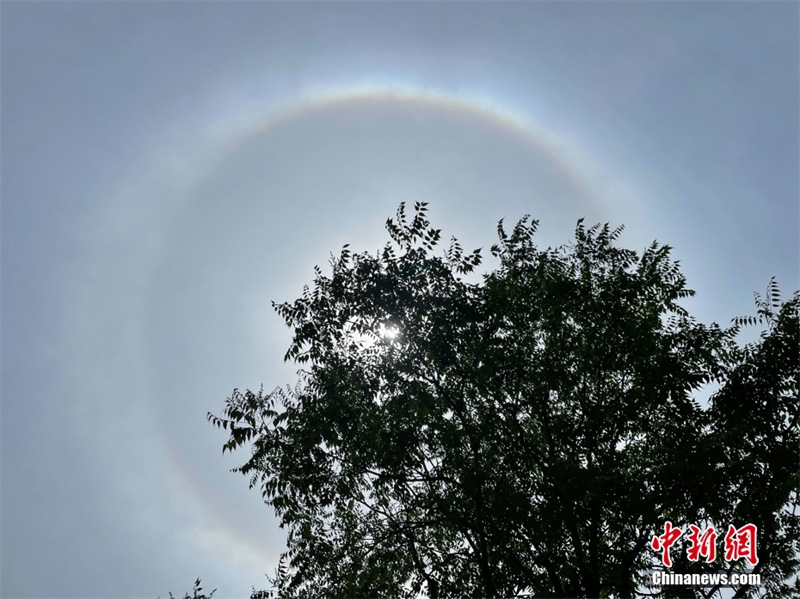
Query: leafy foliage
[[526, 434], [196, 592]]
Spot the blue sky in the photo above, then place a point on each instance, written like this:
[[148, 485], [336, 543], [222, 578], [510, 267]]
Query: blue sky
[[171, 167]]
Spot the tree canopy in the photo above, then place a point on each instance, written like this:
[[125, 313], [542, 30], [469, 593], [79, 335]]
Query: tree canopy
[[529, 430]]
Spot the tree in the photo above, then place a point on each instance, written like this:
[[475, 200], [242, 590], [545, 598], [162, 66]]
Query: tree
[[530, 430]]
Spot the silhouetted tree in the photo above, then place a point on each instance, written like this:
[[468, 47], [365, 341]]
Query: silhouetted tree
[[528, 431]]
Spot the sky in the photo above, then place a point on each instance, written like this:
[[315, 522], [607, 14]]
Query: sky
[[169, 168]]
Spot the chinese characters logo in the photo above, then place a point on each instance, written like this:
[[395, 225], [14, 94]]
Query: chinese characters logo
[[739, 543]]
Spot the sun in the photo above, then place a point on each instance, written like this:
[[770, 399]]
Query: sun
[[385, 332], [389, 333]]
